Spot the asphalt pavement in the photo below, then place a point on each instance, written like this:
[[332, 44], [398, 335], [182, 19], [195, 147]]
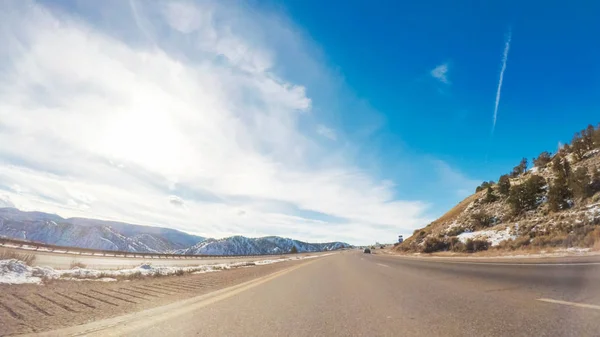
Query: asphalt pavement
[[356, 294]]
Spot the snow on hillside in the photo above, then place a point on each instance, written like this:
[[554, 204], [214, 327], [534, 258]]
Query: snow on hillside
[[90, 233], [240, 245], [108, 235], [493, 236], [576, 225]]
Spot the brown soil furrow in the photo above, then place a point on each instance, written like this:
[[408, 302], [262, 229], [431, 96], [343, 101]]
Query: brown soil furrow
[[149, 288], [165, 290], [76, 300], [188, 288], [64, 306], [139, 292], [31, 305], [124, 293], [171, 287], [188, 284], [113, 296], [11, 312], [97, 299]]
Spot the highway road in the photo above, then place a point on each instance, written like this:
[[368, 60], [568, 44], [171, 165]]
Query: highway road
[[355, 294]]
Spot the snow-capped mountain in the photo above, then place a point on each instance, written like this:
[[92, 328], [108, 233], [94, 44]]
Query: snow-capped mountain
[[110, 235], [91, 233], [240, 245]]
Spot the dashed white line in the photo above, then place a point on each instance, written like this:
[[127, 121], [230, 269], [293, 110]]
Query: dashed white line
[[573, 304], [383, 265]]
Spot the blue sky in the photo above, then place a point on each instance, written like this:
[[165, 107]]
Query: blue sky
[[337, 120], [386, 49]]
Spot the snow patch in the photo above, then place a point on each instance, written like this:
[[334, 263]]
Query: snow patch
[[16, 272], [494, 236]]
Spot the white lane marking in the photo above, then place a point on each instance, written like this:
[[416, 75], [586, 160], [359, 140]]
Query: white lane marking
[[502, 263], [573, 304], [524, 264], [362, 258], [383, 265]]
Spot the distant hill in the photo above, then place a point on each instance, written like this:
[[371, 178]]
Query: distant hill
[[111, 235], [555, 203], [238, 245], [91, 233]]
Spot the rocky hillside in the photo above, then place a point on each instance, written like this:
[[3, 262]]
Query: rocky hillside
[[555, 203], [240, 245]]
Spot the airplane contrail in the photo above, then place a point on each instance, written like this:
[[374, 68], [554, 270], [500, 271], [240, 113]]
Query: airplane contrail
[[504, 58]]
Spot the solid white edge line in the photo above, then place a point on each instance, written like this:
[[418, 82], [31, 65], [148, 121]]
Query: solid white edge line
[[522, 264], [573, 304], [499, 263]]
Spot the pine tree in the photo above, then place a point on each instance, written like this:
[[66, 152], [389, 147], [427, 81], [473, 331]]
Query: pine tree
[[567, 168], [504, 185], [520, 169], [596, 137], [578, 146], [595, 185], [490, 196], [559, 191], [543, 159], [580, 183], [294, 250], [526, 196], [588, 137], [558, 194], [523, 165]]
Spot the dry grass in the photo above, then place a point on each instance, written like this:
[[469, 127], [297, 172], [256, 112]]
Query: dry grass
[[28, 259], [448, 216], [456, 210]]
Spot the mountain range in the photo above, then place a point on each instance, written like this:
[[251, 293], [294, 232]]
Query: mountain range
[[257, 246], [112, 235]]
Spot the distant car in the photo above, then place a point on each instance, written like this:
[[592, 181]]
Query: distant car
[[367, 251]]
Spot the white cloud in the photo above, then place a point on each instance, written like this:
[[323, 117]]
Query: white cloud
[[326, 132], [93, 124], [176, 201], [440, 73]]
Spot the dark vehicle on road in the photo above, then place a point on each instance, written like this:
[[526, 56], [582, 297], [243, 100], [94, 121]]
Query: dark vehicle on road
[[367, 251]]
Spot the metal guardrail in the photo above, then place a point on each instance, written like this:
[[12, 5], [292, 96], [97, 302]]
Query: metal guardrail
[[36, 246]]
